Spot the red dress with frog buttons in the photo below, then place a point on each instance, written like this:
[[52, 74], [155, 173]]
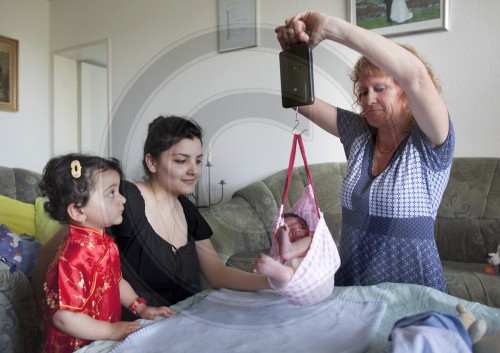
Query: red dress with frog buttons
[[83, 277]]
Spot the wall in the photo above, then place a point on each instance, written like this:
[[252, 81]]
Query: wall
[[164, 60], [26, 134], [175, 68], [465, 60]]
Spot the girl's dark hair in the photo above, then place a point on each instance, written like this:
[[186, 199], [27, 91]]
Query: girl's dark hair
[[63, 189], [166, 131]]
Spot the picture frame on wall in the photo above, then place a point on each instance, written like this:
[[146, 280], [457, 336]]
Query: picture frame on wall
[[392, 18], [236, 24], [9, 51]]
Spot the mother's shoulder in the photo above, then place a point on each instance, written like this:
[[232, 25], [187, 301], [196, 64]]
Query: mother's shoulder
[[129, 188]]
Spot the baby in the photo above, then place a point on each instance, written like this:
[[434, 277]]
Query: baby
[[293, 239]]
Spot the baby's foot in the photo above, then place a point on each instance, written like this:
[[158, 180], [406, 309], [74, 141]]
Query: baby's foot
[[279, 274]]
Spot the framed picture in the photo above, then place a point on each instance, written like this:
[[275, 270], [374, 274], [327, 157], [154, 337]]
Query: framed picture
[[399, 17], [237, 24], [8, 73]]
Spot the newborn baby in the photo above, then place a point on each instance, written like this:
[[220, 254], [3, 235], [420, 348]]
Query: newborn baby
[[293, 239]]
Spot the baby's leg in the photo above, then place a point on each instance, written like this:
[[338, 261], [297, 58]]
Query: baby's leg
[[294, 263], [279, 274]]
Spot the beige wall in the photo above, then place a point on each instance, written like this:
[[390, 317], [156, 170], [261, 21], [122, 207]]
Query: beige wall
[[244, 85], [26, 134]]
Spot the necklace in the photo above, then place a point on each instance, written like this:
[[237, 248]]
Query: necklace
[[386, 150], [169, 239]]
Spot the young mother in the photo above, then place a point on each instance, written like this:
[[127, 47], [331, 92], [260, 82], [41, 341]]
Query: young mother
[[399, 152], [163, 240]]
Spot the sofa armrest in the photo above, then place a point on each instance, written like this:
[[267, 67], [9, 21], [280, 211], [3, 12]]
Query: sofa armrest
[[18, 312], [19, 184]]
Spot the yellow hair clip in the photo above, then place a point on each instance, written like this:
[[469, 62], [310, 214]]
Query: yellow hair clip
[[76, 169]]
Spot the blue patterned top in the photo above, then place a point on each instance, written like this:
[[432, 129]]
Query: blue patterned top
[[388, 219]]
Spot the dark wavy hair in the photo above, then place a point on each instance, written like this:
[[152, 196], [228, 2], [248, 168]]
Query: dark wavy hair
[[62, 188], [287, 215], [166, 131]]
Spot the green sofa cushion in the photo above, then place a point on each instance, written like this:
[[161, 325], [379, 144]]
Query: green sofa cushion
[[467, 240], [46, 227], [239, 220], [18, 216], [468, 281]]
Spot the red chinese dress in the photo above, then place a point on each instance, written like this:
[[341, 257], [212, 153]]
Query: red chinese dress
[[83, 277]]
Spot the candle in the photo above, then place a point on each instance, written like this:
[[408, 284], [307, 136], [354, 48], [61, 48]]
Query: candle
[[209, 154]]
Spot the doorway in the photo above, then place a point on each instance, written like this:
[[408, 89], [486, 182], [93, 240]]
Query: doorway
[[81, 99]]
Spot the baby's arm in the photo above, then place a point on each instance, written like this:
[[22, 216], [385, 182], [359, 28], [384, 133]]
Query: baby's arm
[[82, 326], [289, 250], [128, 297]]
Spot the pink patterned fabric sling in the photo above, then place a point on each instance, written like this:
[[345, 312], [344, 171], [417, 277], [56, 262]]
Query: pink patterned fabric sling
[[313, 280]]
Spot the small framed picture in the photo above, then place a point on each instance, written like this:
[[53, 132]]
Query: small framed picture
[[8, 73], [399, 17], [237, 24]]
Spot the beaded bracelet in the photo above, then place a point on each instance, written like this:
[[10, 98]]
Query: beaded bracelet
[[133, 307]]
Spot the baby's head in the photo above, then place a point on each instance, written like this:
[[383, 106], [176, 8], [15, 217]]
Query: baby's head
[[71, 179], [297, 225]]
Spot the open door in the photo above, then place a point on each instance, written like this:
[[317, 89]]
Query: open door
[[81, 100]]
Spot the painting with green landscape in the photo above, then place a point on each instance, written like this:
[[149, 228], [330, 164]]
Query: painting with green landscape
[[399, 17]]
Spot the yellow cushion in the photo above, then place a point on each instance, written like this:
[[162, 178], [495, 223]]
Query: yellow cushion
[[46, 227], [18, 216]]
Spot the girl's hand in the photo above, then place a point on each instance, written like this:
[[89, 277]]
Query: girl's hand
[[121, 329], [303, 28], [150, 312]]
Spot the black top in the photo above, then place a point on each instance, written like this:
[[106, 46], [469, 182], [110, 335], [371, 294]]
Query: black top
[[157, 273]]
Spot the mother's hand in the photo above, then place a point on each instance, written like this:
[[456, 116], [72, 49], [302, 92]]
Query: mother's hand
[[303, 28]]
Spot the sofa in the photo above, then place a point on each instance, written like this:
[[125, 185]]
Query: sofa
[[19, 331], [467, 226]]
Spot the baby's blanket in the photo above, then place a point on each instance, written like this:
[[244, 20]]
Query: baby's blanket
[[229, 321]]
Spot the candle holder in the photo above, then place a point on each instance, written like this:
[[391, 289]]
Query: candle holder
[[196, 194], [209, 165]]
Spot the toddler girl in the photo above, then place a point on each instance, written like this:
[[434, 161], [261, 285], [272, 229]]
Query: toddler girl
[[83, 287]]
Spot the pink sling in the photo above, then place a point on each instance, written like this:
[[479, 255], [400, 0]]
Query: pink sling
[[313, 281]]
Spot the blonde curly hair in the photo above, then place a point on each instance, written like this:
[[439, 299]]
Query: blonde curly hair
[[365, 68]]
